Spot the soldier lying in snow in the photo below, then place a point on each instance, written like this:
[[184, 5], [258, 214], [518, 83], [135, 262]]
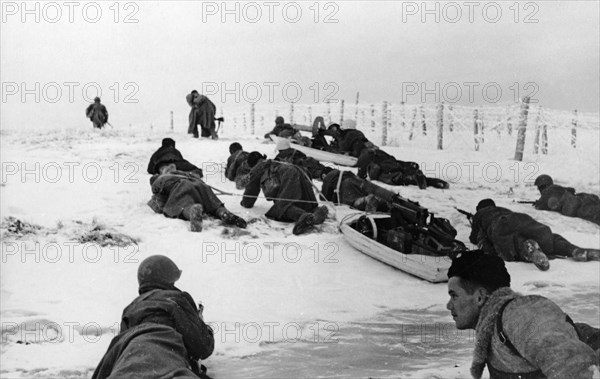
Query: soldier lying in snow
[[290, 190], [167, 153], [518, 237], [162, 332], [237, 168], [566, 201], [184, 195]]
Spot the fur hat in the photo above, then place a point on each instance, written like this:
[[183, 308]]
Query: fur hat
[[486, 269], [236, 146], [279, 120], [254, 157], [485, 203], [168, 142]]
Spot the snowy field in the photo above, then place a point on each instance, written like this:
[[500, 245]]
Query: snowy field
[[281, 305]]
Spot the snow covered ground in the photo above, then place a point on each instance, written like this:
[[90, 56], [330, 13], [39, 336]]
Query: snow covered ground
[[281, 305]]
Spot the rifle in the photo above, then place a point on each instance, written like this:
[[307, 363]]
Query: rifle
[[468, 214], [526, 201], [415, 229], [220, 120]]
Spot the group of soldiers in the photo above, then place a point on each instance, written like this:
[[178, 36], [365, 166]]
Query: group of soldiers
[[163, 334]]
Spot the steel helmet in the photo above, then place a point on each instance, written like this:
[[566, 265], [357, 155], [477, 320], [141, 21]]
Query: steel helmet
[[543, 181], [158, 269]]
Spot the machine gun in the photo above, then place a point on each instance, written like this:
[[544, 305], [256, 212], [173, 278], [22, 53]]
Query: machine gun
[[412, 228]]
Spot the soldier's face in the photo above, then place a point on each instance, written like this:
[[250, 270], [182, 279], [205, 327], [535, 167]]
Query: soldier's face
[[463, 306]]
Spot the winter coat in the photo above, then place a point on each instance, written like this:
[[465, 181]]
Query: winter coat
[[234, 162], [350, 187], [282, 130], [98, 114], [380, 165], [176, 191], [539, 331], [314, 168], [161, 336], [282, 183], [564, 200], [500, 231], [203, 113], [350, 141], [168, 154]]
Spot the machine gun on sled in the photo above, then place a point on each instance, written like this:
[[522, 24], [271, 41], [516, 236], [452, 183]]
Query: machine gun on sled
[[411, 228]]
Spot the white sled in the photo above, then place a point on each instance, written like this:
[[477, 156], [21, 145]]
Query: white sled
[[320, 155], [430, 268]]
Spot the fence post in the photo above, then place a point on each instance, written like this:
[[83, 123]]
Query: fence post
[[402, 116], [574, 129], [373, 118], [545, 138], [384, 122], [538, 126], [341, 112], [252, 118], [508, 121], [440, 126], [476, 128], [423, 121], [291, 113], [310, 117], [413, 124], [171, 120], [522, 129], [450, 118], [329, 112], [245, 124]]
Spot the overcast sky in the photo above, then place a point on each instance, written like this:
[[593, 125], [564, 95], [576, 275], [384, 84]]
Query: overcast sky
[[385, 50]]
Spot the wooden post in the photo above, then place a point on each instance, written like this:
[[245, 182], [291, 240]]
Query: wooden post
[[574, 129], [341, 112], [373, 118], [450, 118], [538, 126], [545, 138], [252, 119], [476, 129], [423, 122], [522, 129], [171, 120], [481, 127], [384, 121], [291, 113], [356, 110], [329, 112], [509, 121], [262, 122], [310, 117], [245, 123], [440, 126], [402, 116], [413, 124]]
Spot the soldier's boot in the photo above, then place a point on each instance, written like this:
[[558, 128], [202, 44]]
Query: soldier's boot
[[196, 217], [534, 254], [320, 214], [304, 224], [586, 255], [230, 219]]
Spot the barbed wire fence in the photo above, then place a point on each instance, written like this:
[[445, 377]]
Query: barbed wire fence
[[529, 128]]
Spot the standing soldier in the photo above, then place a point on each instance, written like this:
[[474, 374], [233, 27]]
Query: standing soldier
[[203, 113], [97, 113]]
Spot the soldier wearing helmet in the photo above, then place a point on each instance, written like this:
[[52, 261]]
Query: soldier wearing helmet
[[162, 331], [566, 201], [97, 113]]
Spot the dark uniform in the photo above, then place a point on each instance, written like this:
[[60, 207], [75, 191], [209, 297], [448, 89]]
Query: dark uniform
[[97, 113]]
